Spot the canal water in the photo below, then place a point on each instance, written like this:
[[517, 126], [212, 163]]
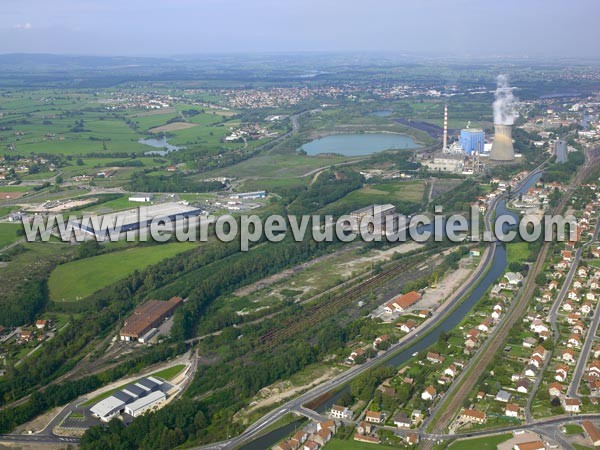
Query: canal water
[[496, 270]]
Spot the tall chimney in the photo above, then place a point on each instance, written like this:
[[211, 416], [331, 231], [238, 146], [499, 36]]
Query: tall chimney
[[445, 141], [502, 148]]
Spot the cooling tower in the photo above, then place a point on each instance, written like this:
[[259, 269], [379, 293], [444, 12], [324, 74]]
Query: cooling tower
[[502, 148]]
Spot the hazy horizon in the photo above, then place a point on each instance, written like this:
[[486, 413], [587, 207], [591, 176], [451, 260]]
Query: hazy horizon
[[463, 28]]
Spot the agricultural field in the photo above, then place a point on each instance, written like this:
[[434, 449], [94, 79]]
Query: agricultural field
[[78, 279], [8, 233]]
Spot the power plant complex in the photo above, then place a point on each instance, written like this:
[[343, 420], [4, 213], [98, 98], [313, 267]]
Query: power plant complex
[[465, 155]]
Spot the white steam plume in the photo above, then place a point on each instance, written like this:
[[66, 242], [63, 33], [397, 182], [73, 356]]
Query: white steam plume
[[505, 103]]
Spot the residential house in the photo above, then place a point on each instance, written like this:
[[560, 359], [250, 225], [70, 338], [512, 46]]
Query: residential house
[[568, 355], [561, 372], [503, 396], [473, 416], [511, 410], [411, 439], [435, 358], [523, 385], [340, 412], [574, 341], [451, 371], [374, 417], [555, 389], [429, 393], [401, 420], [323, 436], [538, 326], [310, 445], [366, 438], [408, 326], [364, 428], [572, 405]]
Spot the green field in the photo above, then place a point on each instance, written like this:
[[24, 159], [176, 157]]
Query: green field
[[78, 279], [170, 372], [8, 233], [484, 443], [396, 192], [339, 444], [17, 188], [277, 166], [571, 428], [517, 252]]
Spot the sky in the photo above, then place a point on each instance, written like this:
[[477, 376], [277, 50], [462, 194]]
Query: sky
[[479, 28]]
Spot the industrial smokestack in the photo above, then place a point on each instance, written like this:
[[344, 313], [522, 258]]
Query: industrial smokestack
[[504, 117], [502, 148], [445, 141]]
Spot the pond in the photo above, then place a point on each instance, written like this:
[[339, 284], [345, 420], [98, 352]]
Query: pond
[[159, 143], [359, 144]]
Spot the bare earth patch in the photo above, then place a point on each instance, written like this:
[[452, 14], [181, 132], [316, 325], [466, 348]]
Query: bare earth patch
[[173, 127], [283, 390]]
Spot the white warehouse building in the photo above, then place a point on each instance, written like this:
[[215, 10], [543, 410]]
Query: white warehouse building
[[141, 405]]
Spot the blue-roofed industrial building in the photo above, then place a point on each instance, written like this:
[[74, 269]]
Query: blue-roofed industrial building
[[472, 140]]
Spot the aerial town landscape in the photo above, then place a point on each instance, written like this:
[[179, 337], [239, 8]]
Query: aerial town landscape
[[248, 242]]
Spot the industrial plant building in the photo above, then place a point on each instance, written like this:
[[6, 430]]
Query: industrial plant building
[[135, 399], [135, 219], [248, 195], [147, 317], [472, 140]]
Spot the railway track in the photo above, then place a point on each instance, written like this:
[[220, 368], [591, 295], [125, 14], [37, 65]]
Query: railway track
[[328, 307]]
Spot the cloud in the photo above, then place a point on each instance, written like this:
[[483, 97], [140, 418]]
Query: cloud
[[23, 26]]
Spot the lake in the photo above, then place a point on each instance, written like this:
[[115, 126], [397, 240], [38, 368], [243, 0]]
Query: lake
[[359, 144], [159, 143]]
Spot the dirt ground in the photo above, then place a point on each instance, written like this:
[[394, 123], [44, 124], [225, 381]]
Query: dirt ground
[[39, 423], [283, 390], [380, 255], [33, 446], [445, 287]]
